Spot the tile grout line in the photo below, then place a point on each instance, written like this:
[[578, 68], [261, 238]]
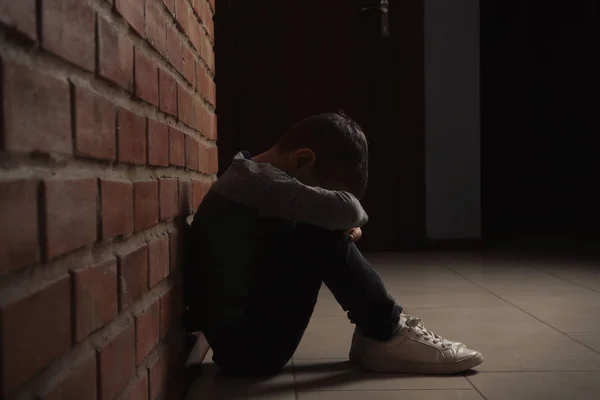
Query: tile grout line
[[474, 387], [566, 280], [294, 378], [522, 310]]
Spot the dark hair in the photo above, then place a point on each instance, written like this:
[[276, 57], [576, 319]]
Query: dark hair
[[340, 147]]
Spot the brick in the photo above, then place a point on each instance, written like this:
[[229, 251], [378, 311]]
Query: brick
[[201, 117], [158, 143], [145, 204], [207, 20], [170, 5], [34, 331], [182, 13], [191, 153], [19, 15], [185, 107], [199, 189], [158, 374], [213, 160], [95, 135], [212, 130], [147, 331], [158, 259], [171, 307], [115, 55], [131, 137], [207, 53], [116, 361], [70, 211], [212, 4], [212, 93], [203, 82], [140, 389], [176, 148], [133, 276], [197, 6], [168, 93], [156, 27], [174, 48], [96, 297], [196, 34], [175, 250], [68, 31], [19, 225], [203, 158], [80, 383], [133, 12], [37, 115], [166, 313], [189, 66], [185, 196], [116, 199], [146, 78], [168, 199]]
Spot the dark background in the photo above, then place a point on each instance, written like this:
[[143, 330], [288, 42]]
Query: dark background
[[540, 113], [278, 62]]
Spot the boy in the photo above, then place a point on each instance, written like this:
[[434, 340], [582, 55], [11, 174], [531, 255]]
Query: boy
[[275, 227]]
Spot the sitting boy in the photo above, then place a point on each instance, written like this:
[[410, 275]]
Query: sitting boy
[[275, 227]]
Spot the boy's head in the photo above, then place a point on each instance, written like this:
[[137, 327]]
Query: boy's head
[[328, 150]]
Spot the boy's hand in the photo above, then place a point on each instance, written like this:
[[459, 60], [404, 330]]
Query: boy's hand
[[354, 234]]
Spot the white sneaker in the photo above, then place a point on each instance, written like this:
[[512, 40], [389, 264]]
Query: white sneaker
[[413, 349]]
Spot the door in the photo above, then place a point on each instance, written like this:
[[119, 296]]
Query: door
[[278, 62]]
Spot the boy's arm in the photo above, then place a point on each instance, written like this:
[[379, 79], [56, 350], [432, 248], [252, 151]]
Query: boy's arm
[[275, 194], [287, 198]]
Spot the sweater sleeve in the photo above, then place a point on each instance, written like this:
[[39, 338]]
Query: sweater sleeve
[[273, 193], [288, 198]]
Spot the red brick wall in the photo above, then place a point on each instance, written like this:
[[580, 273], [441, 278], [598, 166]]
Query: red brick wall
[[107, 144]]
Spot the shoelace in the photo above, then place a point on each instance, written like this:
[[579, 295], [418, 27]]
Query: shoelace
[[416, 325]]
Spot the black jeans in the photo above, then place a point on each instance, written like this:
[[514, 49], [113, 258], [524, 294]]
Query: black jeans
[[267, 337]]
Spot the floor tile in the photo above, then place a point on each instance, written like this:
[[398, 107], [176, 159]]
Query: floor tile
[[393, 395], [509, 339], [538, 385], [325, 375], [212, 385], [590, 339], [326, 337], [426, 297], [327, 306], [587, 276], [515, 279], [413, 285], [568, 312], [537, 323], [565, 306]]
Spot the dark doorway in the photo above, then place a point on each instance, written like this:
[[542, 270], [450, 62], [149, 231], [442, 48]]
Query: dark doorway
[[280, 61], [540, 86]]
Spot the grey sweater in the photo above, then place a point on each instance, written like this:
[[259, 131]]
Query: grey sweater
[[275, 194]]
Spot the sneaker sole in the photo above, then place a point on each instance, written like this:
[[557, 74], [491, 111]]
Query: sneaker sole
[[428, 369]]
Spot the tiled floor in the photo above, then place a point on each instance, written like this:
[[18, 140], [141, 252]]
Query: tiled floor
[[536, 321]]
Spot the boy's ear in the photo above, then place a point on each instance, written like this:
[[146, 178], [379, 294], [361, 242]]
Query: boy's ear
[[303, 158]]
